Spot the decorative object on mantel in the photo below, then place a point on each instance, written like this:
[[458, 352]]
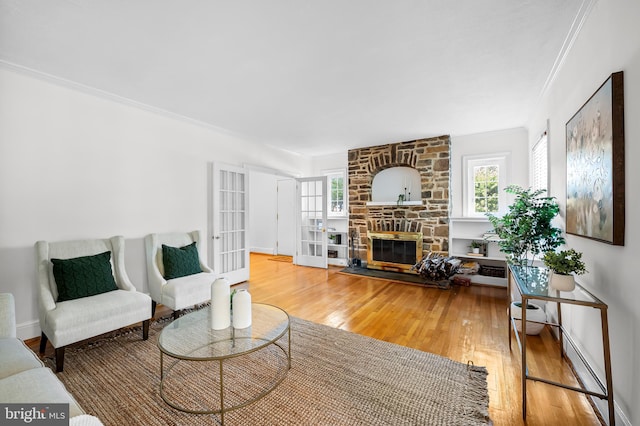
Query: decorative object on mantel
[[563, 265], [220, 306], [436, 268], [595, 165], [526, 229], [534, 313]]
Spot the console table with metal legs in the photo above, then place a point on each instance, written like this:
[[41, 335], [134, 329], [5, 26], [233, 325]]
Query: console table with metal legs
[[532, 283]]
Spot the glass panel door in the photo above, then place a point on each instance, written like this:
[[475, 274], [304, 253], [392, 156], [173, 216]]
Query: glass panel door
[[312, 222], [230, 257]]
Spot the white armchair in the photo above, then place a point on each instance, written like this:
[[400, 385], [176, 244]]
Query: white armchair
[[182, 292], [70, 321]]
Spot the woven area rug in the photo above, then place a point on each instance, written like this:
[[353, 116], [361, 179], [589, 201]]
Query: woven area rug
[[336, 378]]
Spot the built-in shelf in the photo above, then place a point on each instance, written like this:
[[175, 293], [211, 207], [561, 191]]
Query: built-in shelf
[[394, 203], [464, 230], [469, 256], [484, 279], [338, 226]]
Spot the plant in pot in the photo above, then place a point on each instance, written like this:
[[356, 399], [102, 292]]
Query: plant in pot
[[475, 246], [563, 265], [525, 230]]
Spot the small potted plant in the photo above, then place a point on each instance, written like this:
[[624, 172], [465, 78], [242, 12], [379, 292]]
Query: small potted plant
[[563, 265], [475, 247]]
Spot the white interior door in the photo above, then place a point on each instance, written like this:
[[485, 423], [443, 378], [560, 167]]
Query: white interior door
[[230, 254], [286, 217], [311, 231]]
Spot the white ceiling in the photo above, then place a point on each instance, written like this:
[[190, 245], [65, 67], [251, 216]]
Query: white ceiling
[[308, 76]]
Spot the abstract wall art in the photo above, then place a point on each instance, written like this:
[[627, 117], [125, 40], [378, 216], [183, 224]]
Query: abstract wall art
[[595, 165]]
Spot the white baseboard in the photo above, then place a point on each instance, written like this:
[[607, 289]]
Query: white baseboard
[[263, 250], [28, 330]]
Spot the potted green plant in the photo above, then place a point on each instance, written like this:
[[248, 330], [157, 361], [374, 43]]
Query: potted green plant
[[563, 265], [475, 247], [525, 230]]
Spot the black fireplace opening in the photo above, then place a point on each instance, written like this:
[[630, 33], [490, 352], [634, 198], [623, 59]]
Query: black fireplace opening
[[394, 251]]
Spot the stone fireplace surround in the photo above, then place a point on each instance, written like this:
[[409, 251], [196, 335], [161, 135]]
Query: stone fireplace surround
[[431, 158]]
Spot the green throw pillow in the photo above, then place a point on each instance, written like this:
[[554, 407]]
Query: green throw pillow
[[180, 262], [83, 276]]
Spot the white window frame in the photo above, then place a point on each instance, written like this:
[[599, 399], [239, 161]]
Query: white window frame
[[502, 160], [345, 189], [540, 164]]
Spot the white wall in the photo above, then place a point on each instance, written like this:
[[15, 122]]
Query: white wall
[[263, 208], [76, 165], [321, 164], [609, 41], [511, 141]]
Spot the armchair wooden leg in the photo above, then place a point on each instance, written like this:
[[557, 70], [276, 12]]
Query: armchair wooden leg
[[59, 359], [43, 343], [153, 308], [145, 329]]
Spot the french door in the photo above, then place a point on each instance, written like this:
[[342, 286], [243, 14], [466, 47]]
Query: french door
[[229, 256], [311, 232]]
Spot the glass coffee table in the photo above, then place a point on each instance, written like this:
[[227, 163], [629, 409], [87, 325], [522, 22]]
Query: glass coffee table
[[192, 346]]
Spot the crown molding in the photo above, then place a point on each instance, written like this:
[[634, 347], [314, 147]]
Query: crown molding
[[572, 35]]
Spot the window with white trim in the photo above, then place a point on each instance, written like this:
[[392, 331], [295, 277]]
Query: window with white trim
[[337, 193], [485, 180], [539, 164]]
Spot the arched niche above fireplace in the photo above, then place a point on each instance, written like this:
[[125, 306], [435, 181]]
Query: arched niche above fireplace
[[389, 184]]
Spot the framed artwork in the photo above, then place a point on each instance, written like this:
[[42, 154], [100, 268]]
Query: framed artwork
[[595, 165]]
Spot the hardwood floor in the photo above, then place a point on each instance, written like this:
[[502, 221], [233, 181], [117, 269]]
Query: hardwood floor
[[464, 324]]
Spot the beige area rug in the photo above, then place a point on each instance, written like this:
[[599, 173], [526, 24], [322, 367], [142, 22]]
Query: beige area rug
[[336, 378]]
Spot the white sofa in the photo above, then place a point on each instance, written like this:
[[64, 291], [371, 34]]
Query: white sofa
[[23, 377], [177, 293], [70, 321]]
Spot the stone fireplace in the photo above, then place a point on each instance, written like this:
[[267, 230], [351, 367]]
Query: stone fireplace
[[427, 219]]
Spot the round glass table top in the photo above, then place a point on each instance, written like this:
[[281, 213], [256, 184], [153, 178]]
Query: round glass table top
[[191, 336]]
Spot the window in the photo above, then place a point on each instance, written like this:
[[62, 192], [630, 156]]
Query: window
[[485, 180], [485, 192], [336, 187], [539, 161]]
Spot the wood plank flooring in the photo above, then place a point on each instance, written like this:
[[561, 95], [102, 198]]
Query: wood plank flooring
[[464, 324]]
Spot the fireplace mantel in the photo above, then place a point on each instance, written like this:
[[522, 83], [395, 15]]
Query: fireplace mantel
[[394, 203]]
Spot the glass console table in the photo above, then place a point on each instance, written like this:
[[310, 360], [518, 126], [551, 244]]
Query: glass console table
[[533, 283]]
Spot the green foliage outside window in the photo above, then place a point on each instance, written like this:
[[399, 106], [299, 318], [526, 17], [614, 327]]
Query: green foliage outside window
[[485, 191], [336, 204]]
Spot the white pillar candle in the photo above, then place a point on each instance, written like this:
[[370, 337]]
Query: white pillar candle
[[220, 304], [242, 309]]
